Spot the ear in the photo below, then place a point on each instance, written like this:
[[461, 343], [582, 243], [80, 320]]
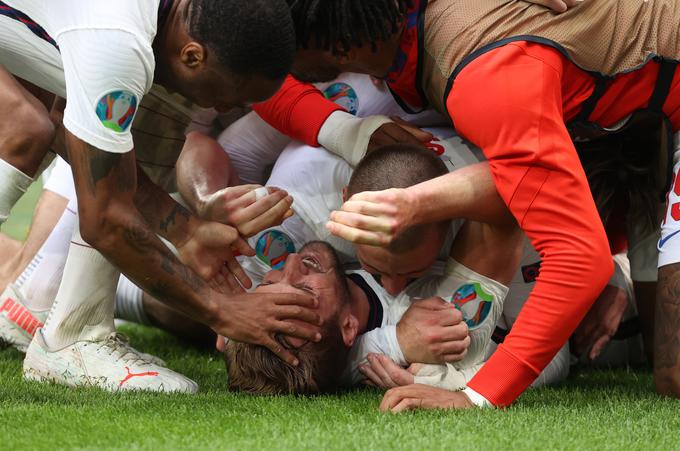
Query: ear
[[350, 329], [345, 196], [193, 55]]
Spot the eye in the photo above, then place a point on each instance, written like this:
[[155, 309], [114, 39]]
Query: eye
[[312, 263]]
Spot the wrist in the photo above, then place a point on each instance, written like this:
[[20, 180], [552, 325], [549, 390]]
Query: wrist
[[181, 234]]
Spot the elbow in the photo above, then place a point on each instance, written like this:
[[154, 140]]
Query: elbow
[[102, 229]]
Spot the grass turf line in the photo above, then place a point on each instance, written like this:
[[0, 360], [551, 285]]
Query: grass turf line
[[593, 410]]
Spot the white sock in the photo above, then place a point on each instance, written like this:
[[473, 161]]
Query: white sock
[[39, 282], [83, 308], [130, 302], [13, 185]]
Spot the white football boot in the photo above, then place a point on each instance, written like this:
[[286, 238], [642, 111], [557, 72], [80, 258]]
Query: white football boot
[[111, 364], [17, 322]]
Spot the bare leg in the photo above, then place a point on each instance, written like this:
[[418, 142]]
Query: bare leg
[[667, 332]]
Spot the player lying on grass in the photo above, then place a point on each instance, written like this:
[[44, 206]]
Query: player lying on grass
[[433, 55]]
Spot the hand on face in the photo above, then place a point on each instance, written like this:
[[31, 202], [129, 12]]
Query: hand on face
[[417, 396], [257, 318], [246, 209], [433, 331]]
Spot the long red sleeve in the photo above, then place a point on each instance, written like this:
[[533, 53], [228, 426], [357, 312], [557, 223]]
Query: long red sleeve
[[297, 110], [510, 104]]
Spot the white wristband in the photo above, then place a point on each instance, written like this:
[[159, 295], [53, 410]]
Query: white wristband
[[348, 136], [477, 399]]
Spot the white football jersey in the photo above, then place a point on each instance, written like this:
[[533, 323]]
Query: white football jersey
[[96, 54]]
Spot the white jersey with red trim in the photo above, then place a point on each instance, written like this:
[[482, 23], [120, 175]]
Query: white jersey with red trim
[[96, 54]]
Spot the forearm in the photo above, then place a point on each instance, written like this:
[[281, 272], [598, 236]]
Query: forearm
[[468, 193], [106, 185], [298, 110], [203, 168], [161, 212], [667, 332]]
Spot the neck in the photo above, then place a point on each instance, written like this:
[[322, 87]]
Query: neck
[[360, 306]]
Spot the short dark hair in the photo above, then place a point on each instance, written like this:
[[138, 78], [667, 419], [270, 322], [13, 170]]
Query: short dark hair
[[398, 166], [249, 37], [346, 22]]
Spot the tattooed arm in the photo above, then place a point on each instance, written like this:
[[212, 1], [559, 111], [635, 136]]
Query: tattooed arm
[[109, 221], [667, 332]]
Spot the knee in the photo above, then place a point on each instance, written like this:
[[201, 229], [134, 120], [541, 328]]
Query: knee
[[29, 128]]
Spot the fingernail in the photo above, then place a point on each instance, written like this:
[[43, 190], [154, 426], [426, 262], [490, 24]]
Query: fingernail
[[317, 338], [296, 362]]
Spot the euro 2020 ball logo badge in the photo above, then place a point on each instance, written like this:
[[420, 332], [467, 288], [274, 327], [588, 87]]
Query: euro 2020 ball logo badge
[[473, 302], [273, 248], [343, 95], [116, 110]]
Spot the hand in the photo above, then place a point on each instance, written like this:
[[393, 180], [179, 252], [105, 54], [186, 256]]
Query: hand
[[398, 132], [257, 318], [209, 253], [559, 6], [417, 396], [374, 217], [600, 324], [382, 372], [237, 206], [433, 331]]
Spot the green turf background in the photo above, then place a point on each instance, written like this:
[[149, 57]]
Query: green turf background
[[594, 410]]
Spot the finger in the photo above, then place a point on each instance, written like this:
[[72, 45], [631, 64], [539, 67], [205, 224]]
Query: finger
[[369, 383], [281, 352], [407, 404], [458, 333], [220, 343], [263, 215], [234, 283], [377, 367], [363, 222], [260, 207], [375, 380], [284, 312], [301, 299], [377, 208], [296, 330], [242, 247], [455, 357], [399, 375], [398, 134], [598, 347], [238, 272], [392, 397], [421, 135], [357, 236], [241, 197]]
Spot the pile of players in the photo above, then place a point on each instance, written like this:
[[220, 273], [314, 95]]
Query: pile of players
[[472, 196]]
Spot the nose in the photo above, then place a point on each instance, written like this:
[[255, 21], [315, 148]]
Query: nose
[[294, 268], [394, 284]]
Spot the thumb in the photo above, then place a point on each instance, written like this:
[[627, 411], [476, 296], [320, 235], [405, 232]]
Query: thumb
[[242, 247]]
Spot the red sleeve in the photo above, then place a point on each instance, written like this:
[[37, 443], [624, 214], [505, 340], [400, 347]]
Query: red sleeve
[[510, 104], [297, 110]]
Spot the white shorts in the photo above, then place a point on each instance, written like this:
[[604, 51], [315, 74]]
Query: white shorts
[[669, 243]]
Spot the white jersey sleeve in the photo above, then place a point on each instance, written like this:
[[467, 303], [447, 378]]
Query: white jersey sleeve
[[107, 72]]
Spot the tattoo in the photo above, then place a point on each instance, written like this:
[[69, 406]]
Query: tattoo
[[667, 318], [101, 165], [170, 219]]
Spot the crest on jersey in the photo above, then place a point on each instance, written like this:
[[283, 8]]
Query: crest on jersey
[[116, 110], [473, 302], [343, 95], [273, 248]]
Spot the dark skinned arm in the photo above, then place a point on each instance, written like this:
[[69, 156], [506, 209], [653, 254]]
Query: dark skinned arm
[[667, 332], [106, 184]]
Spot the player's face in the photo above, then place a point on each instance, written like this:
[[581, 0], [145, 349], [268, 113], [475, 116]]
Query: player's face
[[396, 270], [315, 270], [316, 66], [223, 92]]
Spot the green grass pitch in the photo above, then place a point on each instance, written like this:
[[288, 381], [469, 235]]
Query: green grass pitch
[[595, 409]]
